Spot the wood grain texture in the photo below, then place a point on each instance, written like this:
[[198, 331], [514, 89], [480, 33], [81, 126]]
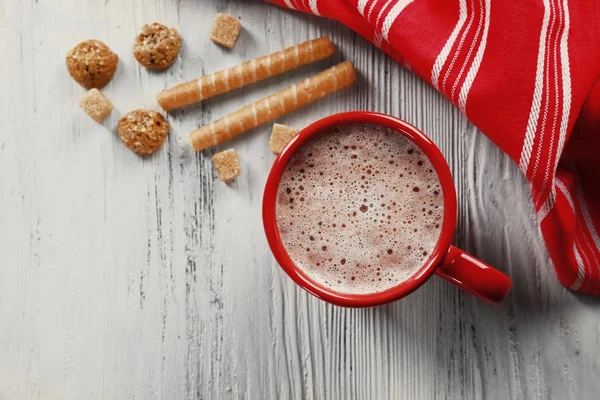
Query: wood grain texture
[[146, 278]]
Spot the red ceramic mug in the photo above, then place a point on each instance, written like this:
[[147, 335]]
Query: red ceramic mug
[[446, 261]]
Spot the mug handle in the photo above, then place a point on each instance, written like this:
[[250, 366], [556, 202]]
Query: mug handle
[[474, 276]]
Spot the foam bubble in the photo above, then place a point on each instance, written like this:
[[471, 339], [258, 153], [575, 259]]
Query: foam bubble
[[359, 208]]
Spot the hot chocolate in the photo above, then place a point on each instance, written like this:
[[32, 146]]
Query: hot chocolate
[[359, 208]]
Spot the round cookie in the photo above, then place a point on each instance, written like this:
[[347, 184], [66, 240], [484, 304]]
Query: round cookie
[[92, 64], [143, 131], [157, 47]]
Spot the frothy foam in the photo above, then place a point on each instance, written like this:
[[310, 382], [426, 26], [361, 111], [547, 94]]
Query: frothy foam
[[359, 208]]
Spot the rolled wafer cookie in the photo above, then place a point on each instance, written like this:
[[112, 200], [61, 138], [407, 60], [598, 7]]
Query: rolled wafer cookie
[[273, 106], [249, 72]]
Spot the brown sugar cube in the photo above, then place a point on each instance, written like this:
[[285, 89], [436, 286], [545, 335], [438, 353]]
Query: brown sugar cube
[[280, 136], [227, 165], [96, 105], [225, 30]]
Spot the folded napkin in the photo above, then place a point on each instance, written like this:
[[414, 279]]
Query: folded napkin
[[526, 74]]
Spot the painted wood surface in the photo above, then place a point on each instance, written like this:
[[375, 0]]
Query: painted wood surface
[[146, 278]]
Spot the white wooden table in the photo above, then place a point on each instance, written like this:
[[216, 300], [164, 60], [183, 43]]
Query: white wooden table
[[146, 278]]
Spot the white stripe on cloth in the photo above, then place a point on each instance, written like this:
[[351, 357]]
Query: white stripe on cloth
[[554, 93], [371, 10], [443, 56], [468, 57], [361, 6], [392, 15], [580, 269], [588, 219], [534, 112], [588, 224], [313, 7], [565, 192], [580, 264], [566, 103], [288, 3], [466, 87], [545, 209], [459, 47], [566, 83], [377, 37], [586, 260], [387, 3]]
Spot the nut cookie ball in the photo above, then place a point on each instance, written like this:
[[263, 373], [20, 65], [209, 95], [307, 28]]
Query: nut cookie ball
[[157, 46], [92, 64], [143, 131]]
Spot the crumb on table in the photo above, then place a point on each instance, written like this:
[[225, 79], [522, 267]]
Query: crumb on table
[[96, 105], [227, 165], [280, 136], [225, 30]]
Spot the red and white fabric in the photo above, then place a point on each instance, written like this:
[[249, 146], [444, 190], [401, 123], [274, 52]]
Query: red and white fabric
[[526, 74]]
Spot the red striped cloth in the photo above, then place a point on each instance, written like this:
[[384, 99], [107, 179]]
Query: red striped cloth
[[526, 74]]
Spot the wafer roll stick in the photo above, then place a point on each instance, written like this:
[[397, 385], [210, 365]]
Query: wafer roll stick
[[273, 106], [249, 72]]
